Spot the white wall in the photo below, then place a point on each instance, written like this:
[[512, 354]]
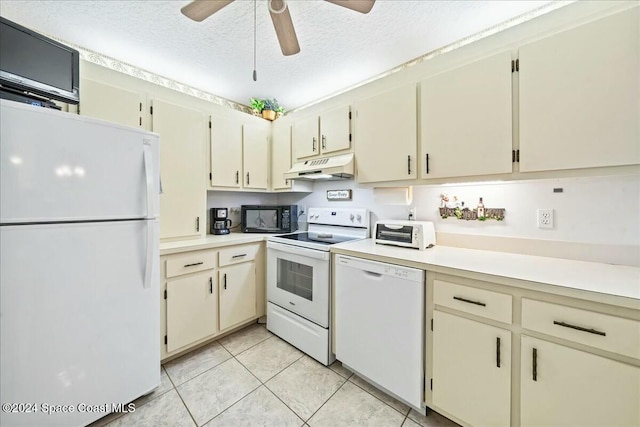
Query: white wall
[[233, 199], [596, 210]]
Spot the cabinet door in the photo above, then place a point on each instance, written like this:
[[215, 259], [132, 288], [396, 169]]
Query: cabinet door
[[472, 370], [112, 103], [183, 198], [466, 120], [386, 141], [305, 137], [256, 155], [561, 386], [192, 305], [579, 94], [335, 130], [226, 152], [280, 154], [237, 294]]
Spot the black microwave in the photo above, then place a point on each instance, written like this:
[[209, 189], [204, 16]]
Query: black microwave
[[269, 219]]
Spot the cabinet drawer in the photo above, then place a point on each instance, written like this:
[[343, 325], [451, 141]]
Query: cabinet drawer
[[189, 262], [598, 330], [238, 254], [489, 304]]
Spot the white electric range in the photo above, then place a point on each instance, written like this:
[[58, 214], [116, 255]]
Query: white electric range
[[299, 278]]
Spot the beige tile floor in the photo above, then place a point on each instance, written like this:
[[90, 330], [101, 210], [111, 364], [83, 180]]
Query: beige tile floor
[[253, 378]]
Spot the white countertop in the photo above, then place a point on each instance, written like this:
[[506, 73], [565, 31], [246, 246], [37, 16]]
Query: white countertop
[[599, 278], [211, 241]]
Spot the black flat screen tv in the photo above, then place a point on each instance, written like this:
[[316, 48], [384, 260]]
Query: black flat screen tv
[[31, 62]]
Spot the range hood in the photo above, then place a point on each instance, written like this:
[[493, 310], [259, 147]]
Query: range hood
[[326, 168]]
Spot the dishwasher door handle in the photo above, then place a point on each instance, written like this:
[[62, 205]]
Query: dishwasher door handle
[[371, 273]]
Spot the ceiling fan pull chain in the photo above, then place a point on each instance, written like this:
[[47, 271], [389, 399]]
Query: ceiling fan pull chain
[[255, 73]]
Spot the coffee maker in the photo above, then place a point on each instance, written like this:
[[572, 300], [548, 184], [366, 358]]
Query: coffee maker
[[218, 218]]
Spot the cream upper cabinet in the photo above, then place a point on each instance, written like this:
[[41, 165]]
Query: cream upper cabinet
[[256, 154], [327, 133], [182, 166], [305, 137], [579, 93], [225, 153], [335, 130], [471, 370], [112, 103], [192, 309], [386, 136], [561, 386], [280, 154], [466, 120]]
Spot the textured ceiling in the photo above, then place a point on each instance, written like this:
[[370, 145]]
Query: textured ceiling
[[339, 47]]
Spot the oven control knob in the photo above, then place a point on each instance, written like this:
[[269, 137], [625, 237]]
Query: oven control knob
[[359, 218], [351, 217]]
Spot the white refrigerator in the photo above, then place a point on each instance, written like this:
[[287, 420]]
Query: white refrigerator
[[79, 266]]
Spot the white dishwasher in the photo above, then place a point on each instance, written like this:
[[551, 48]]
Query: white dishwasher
[[379, 325]]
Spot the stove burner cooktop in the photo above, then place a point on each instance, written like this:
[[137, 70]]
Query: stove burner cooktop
[[321, 238]]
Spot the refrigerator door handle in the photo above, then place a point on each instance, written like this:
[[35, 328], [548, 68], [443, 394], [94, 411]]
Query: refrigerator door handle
[[148, 171], [148, 267]]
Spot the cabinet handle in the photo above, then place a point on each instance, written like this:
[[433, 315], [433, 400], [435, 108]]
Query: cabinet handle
[[247, 178], [238, 256], [513, 156], [194, 264], [498, 352], [580, 328], [211, 285], [286, 182], [324, 142], [314, 143], [224, 280], [237, 177], [409, 164], [470, 301], [535, 364], [198, 223], [426, 156]]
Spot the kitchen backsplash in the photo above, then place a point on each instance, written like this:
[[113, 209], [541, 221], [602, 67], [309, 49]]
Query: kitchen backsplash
[[601, 211]]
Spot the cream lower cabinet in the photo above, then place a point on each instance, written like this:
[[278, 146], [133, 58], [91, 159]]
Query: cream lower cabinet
[[386, 136], [562, 386], [237, 290], [192, 309], [199, 300], [472, 370]]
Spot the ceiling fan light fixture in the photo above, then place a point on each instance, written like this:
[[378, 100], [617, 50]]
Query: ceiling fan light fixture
[[277, 11]]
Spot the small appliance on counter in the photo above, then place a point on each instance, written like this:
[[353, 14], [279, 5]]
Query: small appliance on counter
[[269, 219], [419, 235], [220, 223]]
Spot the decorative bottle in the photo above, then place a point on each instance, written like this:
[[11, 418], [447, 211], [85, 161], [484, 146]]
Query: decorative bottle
[[480, 208]]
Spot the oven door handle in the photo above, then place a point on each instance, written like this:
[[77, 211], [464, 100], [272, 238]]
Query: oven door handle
[[298, 250]]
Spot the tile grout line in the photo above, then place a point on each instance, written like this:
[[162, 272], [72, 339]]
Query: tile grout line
[[328, 399], [371, 394], [253, 375]]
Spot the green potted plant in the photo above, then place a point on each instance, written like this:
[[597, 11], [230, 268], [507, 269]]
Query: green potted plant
[[268, 108]]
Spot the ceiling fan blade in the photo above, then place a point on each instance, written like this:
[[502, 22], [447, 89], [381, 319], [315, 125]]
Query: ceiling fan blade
[[284, 28], [362, 6], [199, 10]]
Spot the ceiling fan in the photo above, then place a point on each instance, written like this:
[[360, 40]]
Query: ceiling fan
[[199, 10]]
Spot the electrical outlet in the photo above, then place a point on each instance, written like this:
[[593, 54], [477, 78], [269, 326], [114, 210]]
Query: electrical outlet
[[412, 213], [545, 218], [302, 210]]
